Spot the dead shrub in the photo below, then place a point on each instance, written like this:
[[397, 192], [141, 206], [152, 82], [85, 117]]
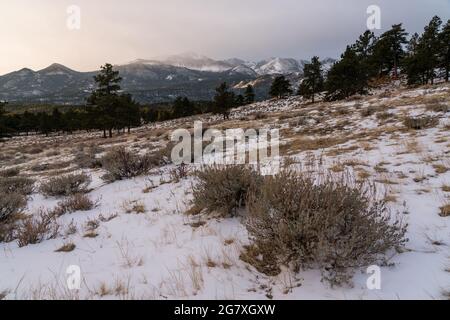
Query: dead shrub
[[37, 228], [421, 122], [8, 173], [122, 164], [11, 207], [223, 189], [369, 111], [87, 159], [179, 173], [77, 202], [330, 224], [438, 107], [40, 167], [10, 204], [20, 185], [66, 185]]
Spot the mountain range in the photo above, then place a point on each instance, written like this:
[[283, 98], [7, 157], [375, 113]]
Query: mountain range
[[151, 80]]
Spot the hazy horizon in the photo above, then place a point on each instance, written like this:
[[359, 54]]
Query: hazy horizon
[[36, 34]]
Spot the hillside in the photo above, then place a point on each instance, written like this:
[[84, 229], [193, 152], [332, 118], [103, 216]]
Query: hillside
[[139, 243]]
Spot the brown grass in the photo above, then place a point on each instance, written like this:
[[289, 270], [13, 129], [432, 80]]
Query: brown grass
[[68, 247]]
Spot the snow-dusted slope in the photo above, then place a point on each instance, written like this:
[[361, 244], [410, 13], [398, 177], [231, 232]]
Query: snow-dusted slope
[[162, 253]]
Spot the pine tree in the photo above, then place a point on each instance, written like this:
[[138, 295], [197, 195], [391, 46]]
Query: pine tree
[[414, 62], [346, 77], [249, 95], [444, 55], [182, 107], [106, 99], [313, 79], [3, 128], [57, 120], [239, 100], [224, 100], [425, 54], [429, 47], [364, 48], [389, 51], [280, 87]]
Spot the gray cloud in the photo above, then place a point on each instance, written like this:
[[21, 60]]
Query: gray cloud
[[34, 33]]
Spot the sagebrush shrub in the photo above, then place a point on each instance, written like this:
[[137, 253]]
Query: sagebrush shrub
[[223, 189], [87, 159], [122, 164], [11, 204], [66, 185], [299, 222], [419, 123], [20, 185], [77, 202], [13, 172], [37, 228]]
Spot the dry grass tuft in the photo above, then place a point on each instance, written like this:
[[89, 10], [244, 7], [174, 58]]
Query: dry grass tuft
[[77, 202], [445, 210], [68, 247], [66, 185], [419, 123]]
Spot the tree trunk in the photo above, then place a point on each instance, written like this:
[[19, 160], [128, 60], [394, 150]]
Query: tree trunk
[[110, 132], [104, 133]]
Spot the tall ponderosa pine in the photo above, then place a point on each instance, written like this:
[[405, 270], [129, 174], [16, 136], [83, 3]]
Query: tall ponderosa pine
[[113, 110], [346, 77], [425, 54], [313, 79], [280, 88], [389, 50], [444, 56], [224, 100], [364, 49], [414, 62], [429, 48], [249, 95]]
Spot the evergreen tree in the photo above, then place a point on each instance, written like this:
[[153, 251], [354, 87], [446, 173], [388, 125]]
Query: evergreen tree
[[45, 123], [280, 87], [425, 54], [224, 100], [429, 48], [364, 49], [57, 120], [249, 95], [346, 77], [444, 55], [3, 128], [313, 79], [106, 99], [389, 50], [239, 101], [415, 62], [182, 107]]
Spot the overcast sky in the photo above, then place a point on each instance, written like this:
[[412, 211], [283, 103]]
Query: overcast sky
[[34, 33]]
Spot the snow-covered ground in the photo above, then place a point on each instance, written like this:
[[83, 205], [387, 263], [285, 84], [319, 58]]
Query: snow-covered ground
[[162, 253]]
